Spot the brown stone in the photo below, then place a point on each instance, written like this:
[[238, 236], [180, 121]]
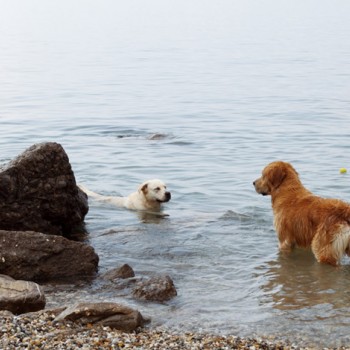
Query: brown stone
[[20, 296], [122, 272], [158, 288], [107, 314], [38, 257]]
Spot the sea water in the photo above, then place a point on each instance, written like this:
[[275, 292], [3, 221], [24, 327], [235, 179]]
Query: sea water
[[202, 95]]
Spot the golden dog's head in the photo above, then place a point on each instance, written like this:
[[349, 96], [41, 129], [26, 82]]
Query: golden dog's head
[[273, 176]]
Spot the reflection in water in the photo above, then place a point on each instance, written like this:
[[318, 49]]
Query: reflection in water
[[297, 281], [151, 217]]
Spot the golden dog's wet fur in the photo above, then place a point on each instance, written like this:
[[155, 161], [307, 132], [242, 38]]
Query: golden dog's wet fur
[[303, 219]]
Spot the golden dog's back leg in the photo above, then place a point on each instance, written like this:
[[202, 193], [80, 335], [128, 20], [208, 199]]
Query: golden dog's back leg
[[342, 241], [330, 245]]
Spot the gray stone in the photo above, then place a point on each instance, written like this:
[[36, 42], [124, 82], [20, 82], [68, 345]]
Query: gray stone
[[158, 288], [20, 296], [107, 314], [38, 257], [5, 314], [38, 192]]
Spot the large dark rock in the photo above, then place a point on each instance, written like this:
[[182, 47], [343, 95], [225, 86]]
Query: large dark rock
[[20, 296], [107, 314], [38, 192], [38, 257]]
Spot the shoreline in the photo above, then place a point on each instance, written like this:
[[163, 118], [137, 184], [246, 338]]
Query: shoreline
[[38, 331]]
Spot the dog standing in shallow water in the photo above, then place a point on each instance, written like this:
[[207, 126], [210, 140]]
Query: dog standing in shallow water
[[149, 196], [303, 219]]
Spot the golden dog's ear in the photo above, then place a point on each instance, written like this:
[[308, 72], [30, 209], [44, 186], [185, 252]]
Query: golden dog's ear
[[275, 176]]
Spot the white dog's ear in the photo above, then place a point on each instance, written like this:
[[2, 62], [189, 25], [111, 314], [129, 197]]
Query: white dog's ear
[[144, 187]]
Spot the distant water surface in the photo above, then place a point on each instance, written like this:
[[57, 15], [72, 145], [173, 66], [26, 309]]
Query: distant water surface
[[202, 95]]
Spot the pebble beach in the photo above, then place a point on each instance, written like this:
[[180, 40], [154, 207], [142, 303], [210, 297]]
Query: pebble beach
[[39, 331]]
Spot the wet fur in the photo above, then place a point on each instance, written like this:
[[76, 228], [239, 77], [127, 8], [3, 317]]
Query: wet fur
[[149, 196], [303, 219]]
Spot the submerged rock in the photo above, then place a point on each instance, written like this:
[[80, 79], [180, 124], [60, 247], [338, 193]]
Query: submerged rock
[[123, 272], [38, 257], [20, 296], [38, 192]]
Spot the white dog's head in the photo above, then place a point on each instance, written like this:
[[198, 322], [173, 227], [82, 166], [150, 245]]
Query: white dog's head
[[155, 191]]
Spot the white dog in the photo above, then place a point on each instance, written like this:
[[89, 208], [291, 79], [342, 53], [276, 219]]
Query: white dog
[[150, 195]]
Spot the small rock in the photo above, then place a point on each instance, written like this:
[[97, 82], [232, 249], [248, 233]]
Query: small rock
[[5, 314], [123, 272], [157, 136], [159, 288], [20, 296]]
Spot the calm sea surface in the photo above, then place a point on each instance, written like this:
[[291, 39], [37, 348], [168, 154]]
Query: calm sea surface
[[227, 87]]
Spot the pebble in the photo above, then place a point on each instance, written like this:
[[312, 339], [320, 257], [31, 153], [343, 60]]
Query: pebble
[[37, 331]]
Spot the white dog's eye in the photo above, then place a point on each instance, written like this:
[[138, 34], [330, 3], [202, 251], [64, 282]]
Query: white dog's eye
[[157, 189]]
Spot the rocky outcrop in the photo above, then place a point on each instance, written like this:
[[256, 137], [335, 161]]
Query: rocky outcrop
[[38, 192], [107, 314], [20, 296], [158, 288], [38, 257]]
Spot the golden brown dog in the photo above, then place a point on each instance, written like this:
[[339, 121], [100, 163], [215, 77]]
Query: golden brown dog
[[303, 219]]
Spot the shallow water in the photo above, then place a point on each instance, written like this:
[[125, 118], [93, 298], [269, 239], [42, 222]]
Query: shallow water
[[201, 95]]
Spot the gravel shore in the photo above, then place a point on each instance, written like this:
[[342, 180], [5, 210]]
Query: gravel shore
[[38, 331]]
